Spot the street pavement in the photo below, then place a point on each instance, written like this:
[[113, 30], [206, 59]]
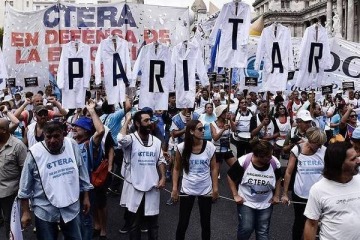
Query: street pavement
[[223, 218]]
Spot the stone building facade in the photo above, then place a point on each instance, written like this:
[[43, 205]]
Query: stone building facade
[[299, 14]]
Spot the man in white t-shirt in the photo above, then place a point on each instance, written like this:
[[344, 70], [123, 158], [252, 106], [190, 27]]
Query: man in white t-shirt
[[335, 199]]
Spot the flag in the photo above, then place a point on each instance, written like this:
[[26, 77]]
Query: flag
[[55, 87], [15, 223]]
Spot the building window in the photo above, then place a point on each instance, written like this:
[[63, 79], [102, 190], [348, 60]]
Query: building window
[[285, 4]]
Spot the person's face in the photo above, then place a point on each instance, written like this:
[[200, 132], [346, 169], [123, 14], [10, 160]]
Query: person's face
[[242, 103], [356, 95], [248, 100], [37, 100], [17, 97], [48, 91], [351, 164], [145, 124], [314, 146], [216, 102], [282, 110], [263, 109], [304, 96], [54, 141], [351, 94], [303, 125], [172, 100], [209, 109], [205, 94], [78, 132], [295, 95], [198, 131], [317, 111], [353, 117], [264, 159], [42, 116]]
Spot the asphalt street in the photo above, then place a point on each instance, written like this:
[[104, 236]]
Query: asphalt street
[[223, 218]]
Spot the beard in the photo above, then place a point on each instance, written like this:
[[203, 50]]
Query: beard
[[145, 130]]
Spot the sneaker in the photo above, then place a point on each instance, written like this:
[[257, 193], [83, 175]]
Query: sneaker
[[124, 229], [144, 229], [170, 202]]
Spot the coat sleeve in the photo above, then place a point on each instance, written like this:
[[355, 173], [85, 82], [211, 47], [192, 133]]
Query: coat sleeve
[[97, 64]]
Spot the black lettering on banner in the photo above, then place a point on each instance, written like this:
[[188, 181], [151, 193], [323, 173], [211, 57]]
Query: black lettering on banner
[[75, 72], [312, 56], [122, 75], [186, 75], [276, 53], [158, 76], [336, 63], [346, 66], [235, 23]]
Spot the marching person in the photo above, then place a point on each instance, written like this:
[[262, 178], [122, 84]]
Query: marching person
[[206, 119], [34, 131], [12, 157], [306, 162], [54, 168], [255, 182], [195, 156], [335, 198], [143, 158]]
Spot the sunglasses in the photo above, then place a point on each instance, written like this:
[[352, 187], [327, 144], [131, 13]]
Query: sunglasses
[[281, 108], [200, 129], [353, 116]]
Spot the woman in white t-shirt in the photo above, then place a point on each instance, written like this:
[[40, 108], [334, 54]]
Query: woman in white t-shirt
[[307, 163], [196, 158], [255, 182]]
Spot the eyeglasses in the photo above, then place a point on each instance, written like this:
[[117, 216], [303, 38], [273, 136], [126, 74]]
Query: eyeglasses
[[353, 116], [200, 129]]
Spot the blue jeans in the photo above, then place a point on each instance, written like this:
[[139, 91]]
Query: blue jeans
[[49, 230], [253, 219]]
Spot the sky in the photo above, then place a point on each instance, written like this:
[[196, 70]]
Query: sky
[[188, 3]]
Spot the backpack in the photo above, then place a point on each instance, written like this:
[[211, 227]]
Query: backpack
[[99, 167], [248, 161]]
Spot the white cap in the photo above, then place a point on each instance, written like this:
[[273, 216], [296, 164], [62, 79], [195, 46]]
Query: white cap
[[304, 115]]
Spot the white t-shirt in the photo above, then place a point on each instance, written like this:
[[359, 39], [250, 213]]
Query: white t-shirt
[[257, 186], [198, 180], [337, 206], [309, 171]]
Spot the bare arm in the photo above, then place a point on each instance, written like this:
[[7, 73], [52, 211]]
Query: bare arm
[[216, 136], [287, 178], [214, 177], [62, 111], [99, 126], [175, 177], [310, 229]]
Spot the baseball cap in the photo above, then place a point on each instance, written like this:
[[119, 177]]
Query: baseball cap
[[220, 109], [356, 135], [304, 115], [40, 108], [150, 112], [85, 123]]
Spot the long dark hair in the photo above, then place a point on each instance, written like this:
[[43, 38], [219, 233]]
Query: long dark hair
[[188, 144], [276, 115], [334, 158]]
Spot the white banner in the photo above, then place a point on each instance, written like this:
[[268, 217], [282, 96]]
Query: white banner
[[345, 66], [33, 40], [15, 223]]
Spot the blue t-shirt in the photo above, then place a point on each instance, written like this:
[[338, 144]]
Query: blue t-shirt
[[336, 119], [113, 122], [206, 120]]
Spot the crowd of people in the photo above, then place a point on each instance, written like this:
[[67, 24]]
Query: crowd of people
[[57, 161]]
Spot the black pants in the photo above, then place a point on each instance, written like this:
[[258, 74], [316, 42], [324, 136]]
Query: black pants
[[135, 220], [299, 221], [242, 147], [118, 159], [5, 208], [186, 205]]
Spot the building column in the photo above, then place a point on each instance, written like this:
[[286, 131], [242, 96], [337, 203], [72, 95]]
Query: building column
[[329, 14], [339, 6], [350, 20]]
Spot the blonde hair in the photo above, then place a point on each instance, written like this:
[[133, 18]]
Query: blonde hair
[[315, 135]]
